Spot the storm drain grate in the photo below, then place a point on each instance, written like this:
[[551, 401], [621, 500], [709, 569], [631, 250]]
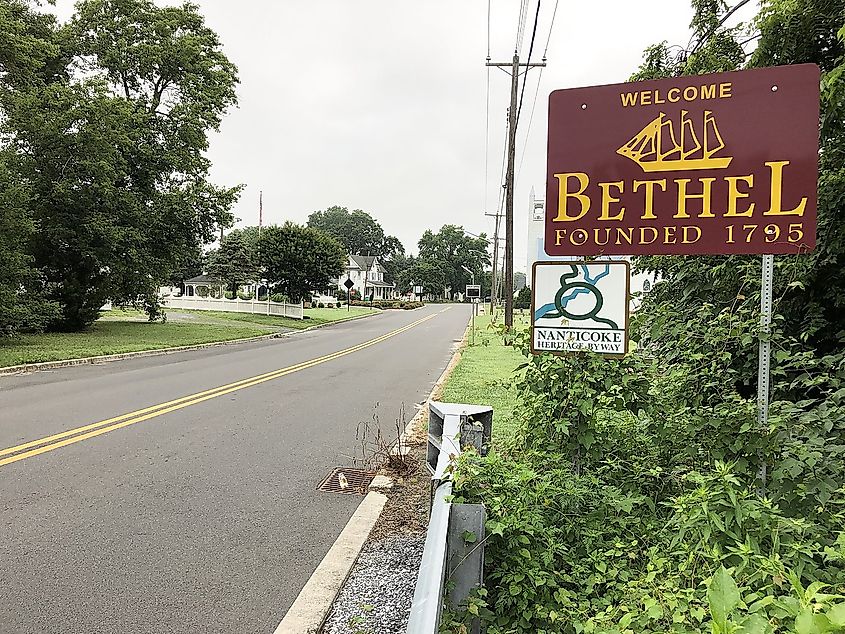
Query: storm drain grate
[[345, 480]]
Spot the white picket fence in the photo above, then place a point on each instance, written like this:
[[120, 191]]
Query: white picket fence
[[294, 311]]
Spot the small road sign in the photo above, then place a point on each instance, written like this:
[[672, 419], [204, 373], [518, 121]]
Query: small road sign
[[473, 291], [348, 283], [579, 306]]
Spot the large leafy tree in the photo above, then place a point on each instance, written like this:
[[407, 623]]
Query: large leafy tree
[[191, 263], [22, 304], [235, 261], [423, 273], [395, 269], [109, 128], [28, 56], [451, 249], [357, 231], [297, 260]]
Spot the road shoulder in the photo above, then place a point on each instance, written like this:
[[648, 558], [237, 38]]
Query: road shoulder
[[400, 523]]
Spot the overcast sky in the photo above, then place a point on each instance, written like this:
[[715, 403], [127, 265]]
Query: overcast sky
[[381, 105]]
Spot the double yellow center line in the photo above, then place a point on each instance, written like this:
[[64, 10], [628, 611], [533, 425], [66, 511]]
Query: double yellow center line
[[71, 436]]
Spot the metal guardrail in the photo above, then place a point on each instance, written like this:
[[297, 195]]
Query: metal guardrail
[[447, 554]]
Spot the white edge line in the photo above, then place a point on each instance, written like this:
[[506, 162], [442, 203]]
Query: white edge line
[[311, 607]]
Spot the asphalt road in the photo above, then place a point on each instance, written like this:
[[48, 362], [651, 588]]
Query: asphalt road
[[203, 518]]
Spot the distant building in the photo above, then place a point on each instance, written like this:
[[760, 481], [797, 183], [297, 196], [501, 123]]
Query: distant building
[[536, 231], [367, 275], [204, 285]]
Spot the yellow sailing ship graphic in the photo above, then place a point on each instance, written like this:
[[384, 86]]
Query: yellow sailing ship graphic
[[656, 148]]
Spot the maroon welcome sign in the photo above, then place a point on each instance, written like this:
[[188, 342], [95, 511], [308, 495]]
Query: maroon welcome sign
[[711, 164]]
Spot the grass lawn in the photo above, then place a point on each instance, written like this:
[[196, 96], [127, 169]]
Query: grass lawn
[[127, 330], [114, 337], [328, 315], [484, 376], [315, 317]]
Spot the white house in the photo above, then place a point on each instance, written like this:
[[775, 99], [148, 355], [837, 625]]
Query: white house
[[367, 275]]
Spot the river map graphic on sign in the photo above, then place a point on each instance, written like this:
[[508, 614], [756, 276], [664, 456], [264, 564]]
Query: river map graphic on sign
[[570, 288], [580, 306]]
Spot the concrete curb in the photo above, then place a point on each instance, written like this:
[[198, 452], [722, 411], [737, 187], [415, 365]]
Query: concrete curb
[[310, 608], [27, 368], [314, 602]]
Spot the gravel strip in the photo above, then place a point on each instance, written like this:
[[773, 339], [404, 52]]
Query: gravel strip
[[376, 598]]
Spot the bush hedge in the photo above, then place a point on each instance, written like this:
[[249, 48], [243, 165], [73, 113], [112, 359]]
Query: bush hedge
[[389, 304], [630, 500]]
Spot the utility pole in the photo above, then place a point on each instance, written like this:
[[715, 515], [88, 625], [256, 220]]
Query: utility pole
[[512, 123]]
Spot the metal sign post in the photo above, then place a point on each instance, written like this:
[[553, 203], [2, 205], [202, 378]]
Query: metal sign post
[[763, 369], [348, 284], [473, 293]]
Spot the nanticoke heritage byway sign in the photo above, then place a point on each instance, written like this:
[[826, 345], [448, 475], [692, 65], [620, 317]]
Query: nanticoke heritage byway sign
[[580, 306], [723, 163]]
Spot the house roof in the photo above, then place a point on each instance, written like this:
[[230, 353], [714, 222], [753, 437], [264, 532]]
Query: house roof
[[363, 262], [204, 279], [380, 284]]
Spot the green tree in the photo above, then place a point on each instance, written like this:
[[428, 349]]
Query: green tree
[[110, 128], [22, 305], [396, 269], [357, 231], [451, 249], [714, 48], [427, 274], [523, 298], [190, 264], [234, 262], [298, 260]]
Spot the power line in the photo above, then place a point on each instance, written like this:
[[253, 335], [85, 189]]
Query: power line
[[520, 28], [488, 28], [502, 175], [537, 91], [551, 26], [487, 120], [530, 120], [514, 67], [530, 51]]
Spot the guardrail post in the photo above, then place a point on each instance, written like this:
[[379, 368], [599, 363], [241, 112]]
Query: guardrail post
[[472, 434], [453, 557], [465, 555]]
